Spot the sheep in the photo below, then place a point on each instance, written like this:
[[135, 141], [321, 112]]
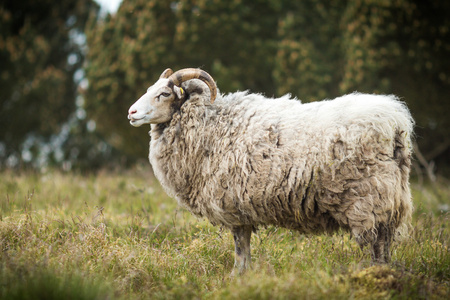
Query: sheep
[[244, 160]]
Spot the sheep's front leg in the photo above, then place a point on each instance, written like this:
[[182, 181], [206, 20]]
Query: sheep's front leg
[[241, 235]]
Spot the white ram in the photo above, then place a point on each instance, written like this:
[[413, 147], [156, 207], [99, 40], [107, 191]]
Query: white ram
[[244, 160]]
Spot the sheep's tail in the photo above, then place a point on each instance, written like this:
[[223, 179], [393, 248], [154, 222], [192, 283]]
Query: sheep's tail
[[402, 154]]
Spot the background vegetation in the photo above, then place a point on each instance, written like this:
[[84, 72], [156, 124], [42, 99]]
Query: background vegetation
[[313, 49], [69, 73]]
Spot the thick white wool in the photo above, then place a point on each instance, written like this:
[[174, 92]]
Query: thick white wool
[[315, 167]]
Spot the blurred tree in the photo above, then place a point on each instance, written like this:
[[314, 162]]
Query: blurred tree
[[39, 55], [313, 49], [328, 48], [403, 47], [309, 61], [233, 40], [127, 51]]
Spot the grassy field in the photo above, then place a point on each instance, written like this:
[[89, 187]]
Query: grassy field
[[119, 236]]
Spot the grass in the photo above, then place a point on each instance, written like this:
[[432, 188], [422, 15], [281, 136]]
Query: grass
[[119, 236]]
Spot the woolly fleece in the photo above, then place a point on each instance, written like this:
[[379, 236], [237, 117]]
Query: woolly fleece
[[314, 167]]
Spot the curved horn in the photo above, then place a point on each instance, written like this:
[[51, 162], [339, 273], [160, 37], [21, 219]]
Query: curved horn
[[186, 74], [167, 72]]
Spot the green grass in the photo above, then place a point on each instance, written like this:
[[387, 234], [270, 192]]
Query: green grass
[[119, 236]]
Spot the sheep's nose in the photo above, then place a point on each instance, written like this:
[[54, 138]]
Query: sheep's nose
[[131, 112]]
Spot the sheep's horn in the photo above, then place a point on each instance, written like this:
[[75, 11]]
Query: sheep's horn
[[186, 74], [167, 72]]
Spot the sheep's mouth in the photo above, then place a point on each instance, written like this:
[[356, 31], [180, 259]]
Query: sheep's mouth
[[133, 119], [136, 122]]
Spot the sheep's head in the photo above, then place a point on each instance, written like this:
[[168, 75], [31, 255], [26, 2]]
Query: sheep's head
[[163, 98]]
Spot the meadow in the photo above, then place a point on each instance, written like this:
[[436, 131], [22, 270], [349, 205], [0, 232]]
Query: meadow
[[117, 235]]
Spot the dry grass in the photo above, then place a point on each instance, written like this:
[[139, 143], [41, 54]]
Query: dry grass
[[113, 236]]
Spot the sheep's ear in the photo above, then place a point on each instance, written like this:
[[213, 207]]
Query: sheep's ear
[[180, 92]]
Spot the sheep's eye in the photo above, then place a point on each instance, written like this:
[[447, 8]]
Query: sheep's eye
[[165, 94]]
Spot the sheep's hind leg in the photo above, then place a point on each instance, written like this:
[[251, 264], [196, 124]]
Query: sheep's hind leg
[[380, 247], [241, 235]]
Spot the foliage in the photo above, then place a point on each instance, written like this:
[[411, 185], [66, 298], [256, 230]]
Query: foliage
[[234, 40], [309, 58], [114, 236], [39, 55], [125, 50], [403, 47], [329, 48], [313, 49]]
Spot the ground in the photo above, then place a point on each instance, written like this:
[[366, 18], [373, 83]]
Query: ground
[[115, 235]]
